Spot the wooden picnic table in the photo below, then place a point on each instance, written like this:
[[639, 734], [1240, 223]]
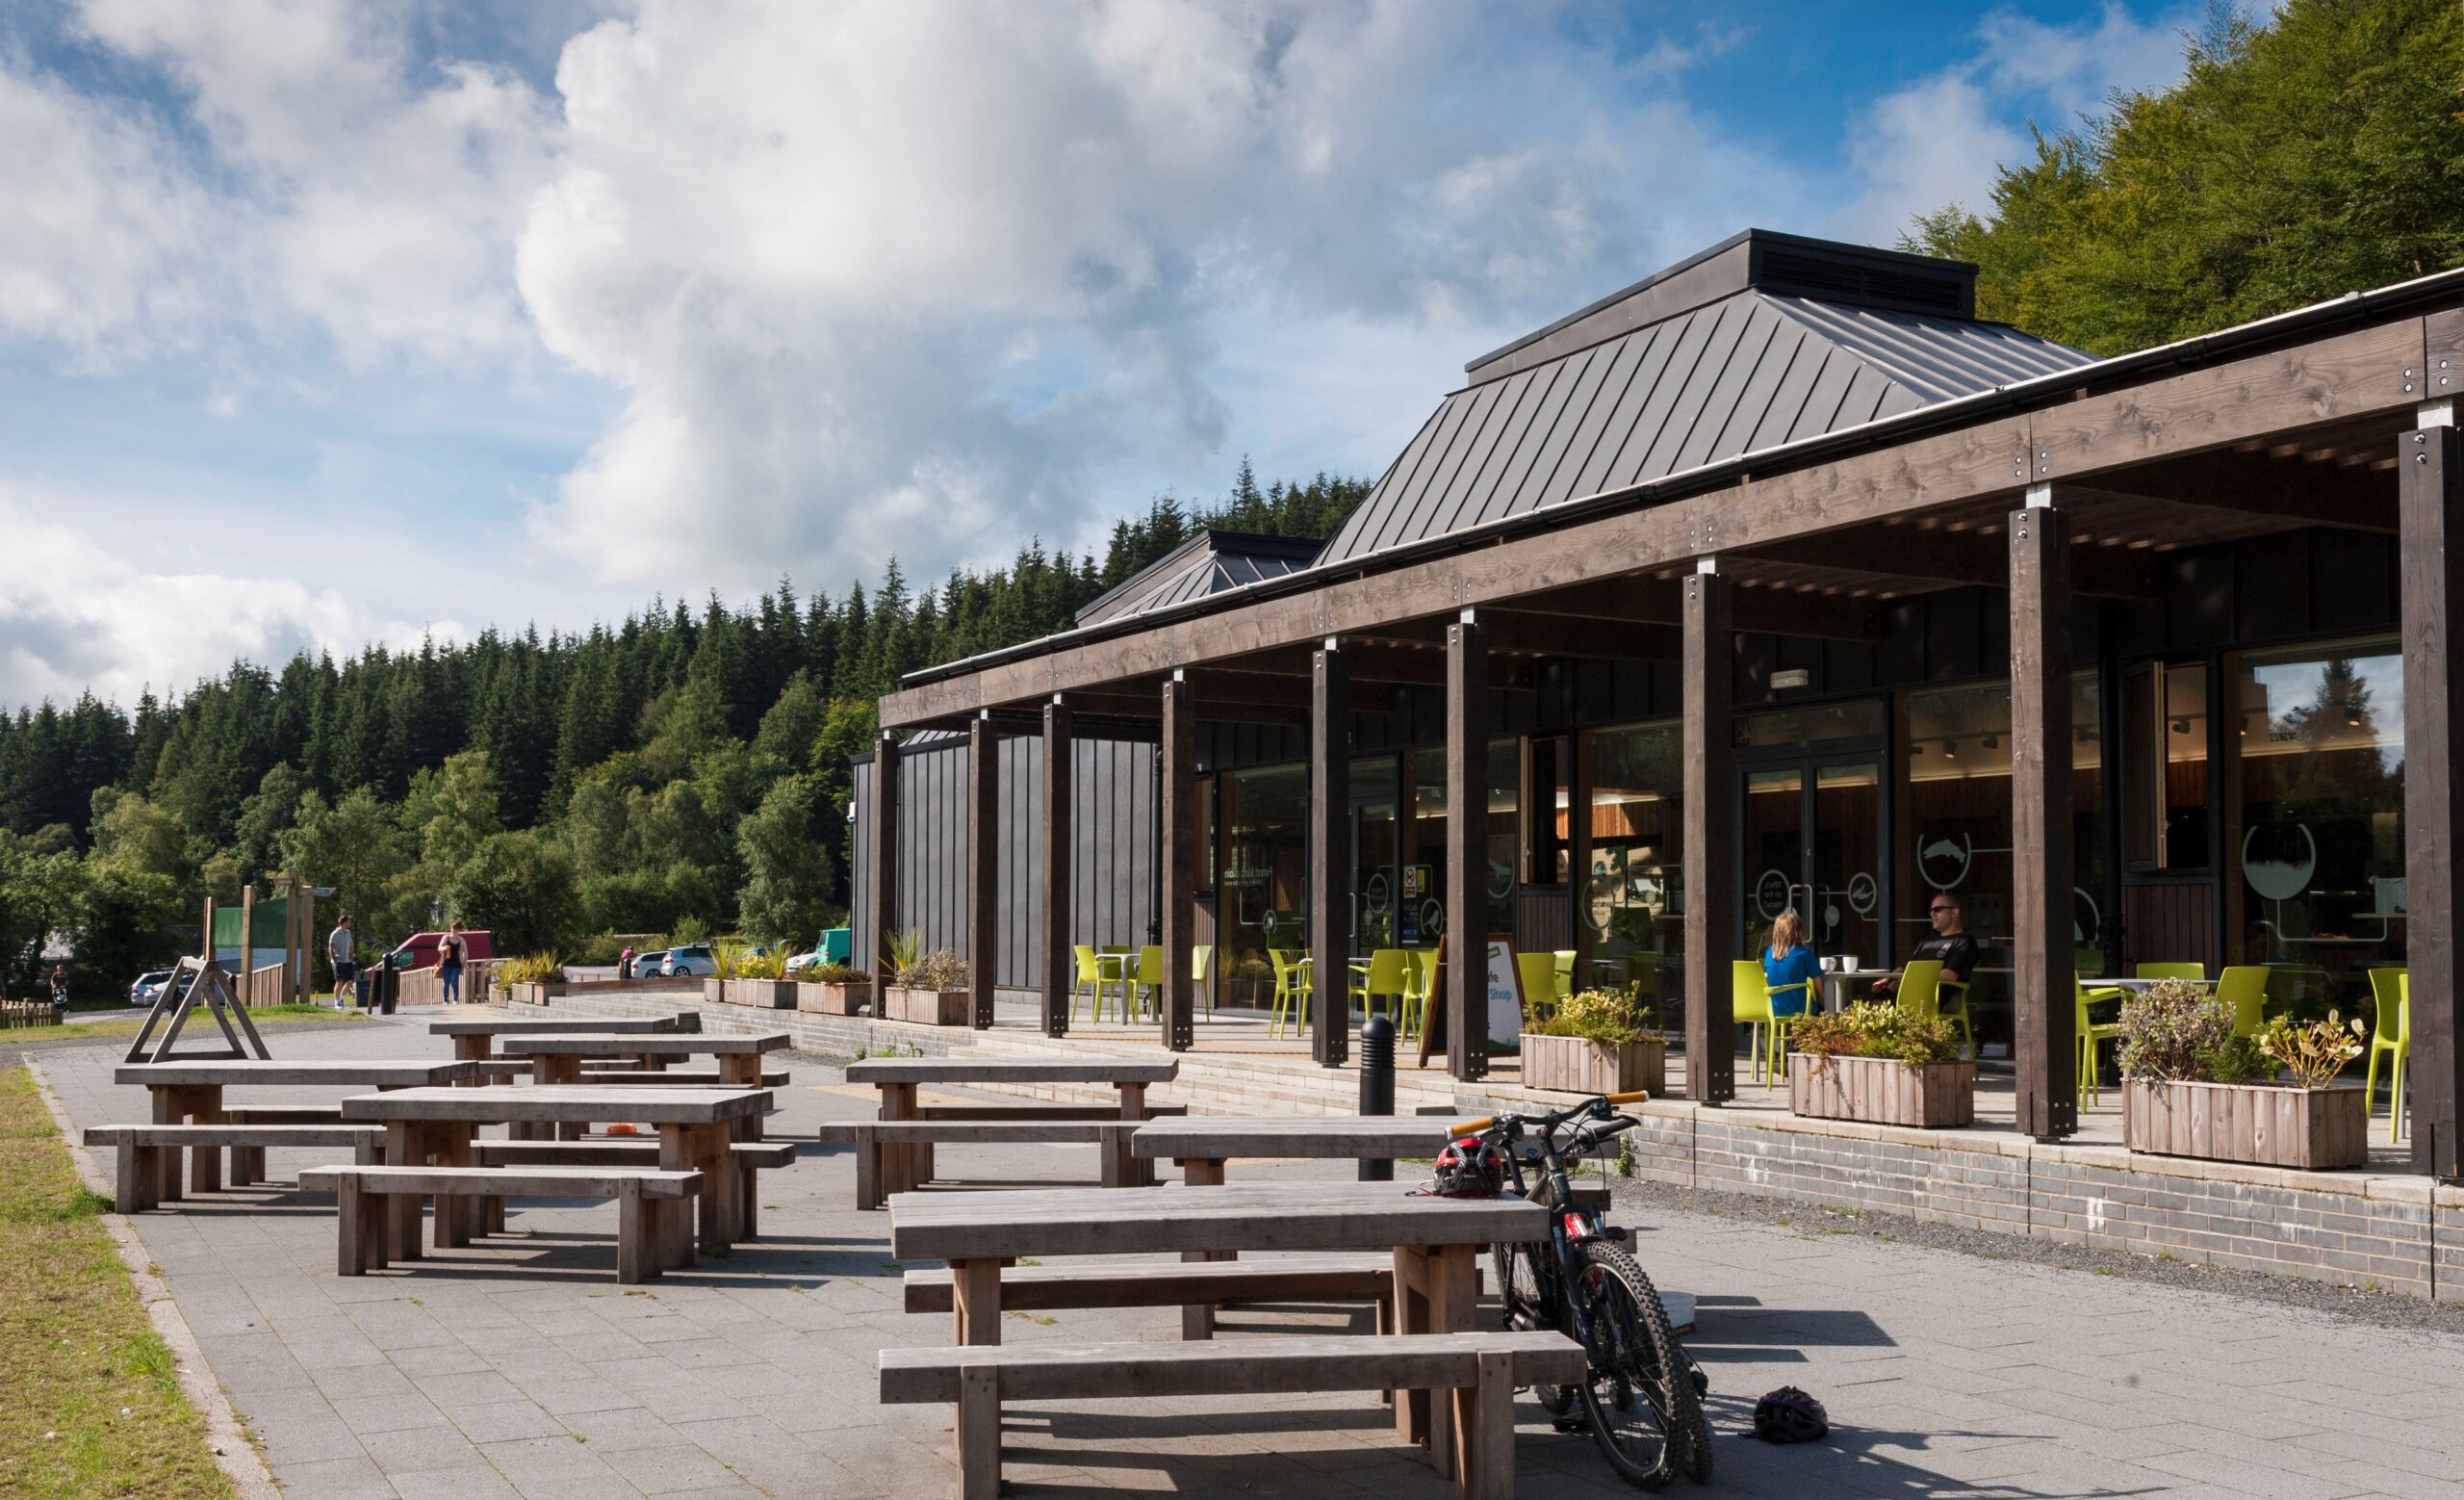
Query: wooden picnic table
[[191, 1093], [435, 1127], [897, 1079], [474, 1039], [1437, 1243], [557, 1058], [1203, 1142]]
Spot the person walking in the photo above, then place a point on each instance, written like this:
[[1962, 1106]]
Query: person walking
[[624, 963], [450, 950], [60, 986], [338, 955]]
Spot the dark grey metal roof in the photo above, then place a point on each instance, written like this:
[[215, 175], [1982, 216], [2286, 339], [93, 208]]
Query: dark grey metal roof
[[1753, 370], [1207, 563]]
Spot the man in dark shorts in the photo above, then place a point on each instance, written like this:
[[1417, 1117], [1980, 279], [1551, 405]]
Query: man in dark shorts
[[338, 953], [1950, 945]]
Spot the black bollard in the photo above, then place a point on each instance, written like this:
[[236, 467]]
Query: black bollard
[[1377, 1085]]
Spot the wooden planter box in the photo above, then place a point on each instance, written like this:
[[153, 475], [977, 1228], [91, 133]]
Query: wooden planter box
[[1880, 1091], [2266, 1125], [1580, 1066], [762, 994], [926, 1007], [532, 994], [852, 999], [714, 992]]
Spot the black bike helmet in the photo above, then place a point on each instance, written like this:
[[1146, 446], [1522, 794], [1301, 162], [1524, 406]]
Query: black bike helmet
[[1790, 1415], [1472, 1167]]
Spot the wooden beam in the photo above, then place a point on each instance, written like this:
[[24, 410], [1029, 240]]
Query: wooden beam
[[1961, 558], [2321, 380], [2430, 481], [1060, 827], [1331, 748], [982, 867], [1710, 856], [2045, 964], [1661, 600], [2256, 484], [884, 886], [1142, 712], [1531, 634], [1177, 841], [1471, 716]]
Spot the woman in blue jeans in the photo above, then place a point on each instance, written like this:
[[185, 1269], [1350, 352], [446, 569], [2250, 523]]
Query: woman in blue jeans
[[450, 950], [1789, 967]]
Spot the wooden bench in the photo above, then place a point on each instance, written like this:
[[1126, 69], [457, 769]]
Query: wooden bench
[[646, 1197], [750, 1157], [1041, 1111], [886, 1161], [682, 1077], [1481, 1371], [1339, 1277], [137, 1170]]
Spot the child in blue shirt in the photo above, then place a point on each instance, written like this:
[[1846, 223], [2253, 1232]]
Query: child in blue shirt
[[1789, 967]]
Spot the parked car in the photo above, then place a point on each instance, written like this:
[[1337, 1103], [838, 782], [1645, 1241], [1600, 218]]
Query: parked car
[[646, 962], [148, 987], [802, 961], [693, 961]]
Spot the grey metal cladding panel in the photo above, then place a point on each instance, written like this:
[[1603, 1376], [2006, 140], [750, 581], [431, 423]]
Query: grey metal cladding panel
[[859, 870], [1477, 499], [1822, 404], [1023, 878], [1409, 486], [1475, 444], [1865, 397], [1770, 368], [1546, 435], [1539, 416], [1702, 426], [1381, 495], [1899, 399], [1788, 402], [1643, 418], [1019, 798], [1577, 431], [1587, 462]]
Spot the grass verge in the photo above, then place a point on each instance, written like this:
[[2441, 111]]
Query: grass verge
[[90, 1400], [269, 1014]]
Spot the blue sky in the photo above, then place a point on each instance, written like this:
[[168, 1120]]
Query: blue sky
[[333, 320]]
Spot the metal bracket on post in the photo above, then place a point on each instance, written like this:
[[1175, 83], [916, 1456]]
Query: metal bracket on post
[[2040, 496], [2434, 414]]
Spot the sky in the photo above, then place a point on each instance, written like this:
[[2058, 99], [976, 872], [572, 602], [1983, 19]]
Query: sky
[[331, 322]]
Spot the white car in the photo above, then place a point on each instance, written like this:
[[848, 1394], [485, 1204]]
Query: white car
[[646, 962], [804, 961], [693, 961]]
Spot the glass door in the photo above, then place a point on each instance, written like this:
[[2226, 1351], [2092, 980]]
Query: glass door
[[1813, 844], [1375, 884]]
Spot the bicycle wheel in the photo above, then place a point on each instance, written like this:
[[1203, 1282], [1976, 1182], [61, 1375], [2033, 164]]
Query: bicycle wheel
[[1525, 1299], [1640, 1398]]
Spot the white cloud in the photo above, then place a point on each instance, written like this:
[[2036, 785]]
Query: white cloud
[[1939, 139], [75, 614]]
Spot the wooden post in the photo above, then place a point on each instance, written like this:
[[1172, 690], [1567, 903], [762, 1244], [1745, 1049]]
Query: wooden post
[[1470, 710], [884, 884], [248, 985], [2431, 484], [1059, 828], [983, 866], [2045, 964], [1329, 851], [1177, 841], [1709, 815], [1578, 774]]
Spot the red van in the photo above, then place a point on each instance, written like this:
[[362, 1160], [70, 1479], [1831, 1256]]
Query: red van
[[419, 950]]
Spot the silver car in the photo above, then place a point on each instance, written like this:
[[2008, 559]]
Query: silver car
[[693, 961]]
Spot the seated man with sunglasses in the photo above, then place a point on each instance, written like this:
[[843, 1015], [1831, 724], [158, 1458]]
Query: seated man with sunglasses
[[1950, 944]]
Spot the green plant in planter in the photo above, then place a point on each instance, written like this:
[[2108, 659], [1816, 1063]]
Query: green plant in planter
[[530, 968], [905, 948], [834, 974], [2179, 1032], [1611, 1018], [939, 970], [1885, 1031], [2313, 1052]]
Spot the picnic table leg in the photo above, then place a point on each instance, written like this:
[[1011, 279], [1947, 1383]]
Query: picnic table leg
[[721, 1214], [743, 1070], [456, 1216], [1411, 1316], [164, 1161], [976, 1300], [1133, 1106], [1454, 1278], [204, 1107], [676, 1153], [472, 1049], [1197, 1319], [905, 1167], [868, 1170], [403, 1140], [1484, 1424]]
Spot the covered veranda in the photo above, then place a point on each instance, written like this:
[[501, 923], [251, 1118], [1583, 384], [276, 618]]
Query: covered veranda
[[2057, 533]]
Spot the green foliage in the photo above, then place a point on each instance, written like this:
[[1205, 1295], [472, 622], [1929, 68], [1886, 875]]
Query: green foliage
[[2178, 1031], [2315, 149], [1887, 1031], [38, 896], [939, 970], [834, 974], [527, 968], [520, 888], [1612, 1018]]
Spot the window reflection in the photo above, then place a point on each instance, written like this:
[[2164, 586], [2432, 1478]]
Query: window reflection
[[1630, 895], [1262, 890]]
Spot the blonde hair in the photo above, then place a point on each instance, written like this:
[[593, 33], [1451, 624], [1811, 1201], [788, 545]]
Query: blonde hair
[[1787, 931]]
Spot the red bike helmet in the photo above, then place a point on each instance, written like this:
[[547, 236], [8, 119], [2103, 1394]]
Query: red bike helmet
[[1472, 1167]]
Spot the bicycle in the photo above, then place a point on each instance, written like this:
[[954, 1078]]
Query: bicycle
[[1643, 1399]]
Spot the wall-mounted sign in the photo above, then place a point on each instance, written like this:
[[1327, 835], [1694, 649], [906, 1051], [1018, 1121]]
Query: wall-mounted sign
[[1792, 677]]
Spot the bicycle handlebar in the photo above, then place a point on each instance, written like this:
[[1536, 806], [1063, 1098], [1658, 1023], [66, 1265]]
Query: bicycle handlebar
[[1485, 1122]]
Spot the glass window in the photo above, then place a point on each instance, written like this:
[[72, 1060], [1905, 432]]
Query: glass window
[[2165, 766], [1858, 719], [1956, 837], [1549, 769], [1263, 887], [1203, 821], [1630, 895], [2321, 863], [1504, 831]]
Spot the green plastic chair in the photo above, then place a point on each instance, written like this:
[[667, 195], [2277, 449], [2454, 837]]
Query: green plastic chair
[[2392, 989], [1562, 960], [1201, 955], [1538, 973], [1291, 990], [1750, 1005], [1390, 974], [2197, 973], [1090, 980], [2244, 987], [1920, 987], [2090, 1033], [1147, 985], [1420, 967], [1950, 1003]]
